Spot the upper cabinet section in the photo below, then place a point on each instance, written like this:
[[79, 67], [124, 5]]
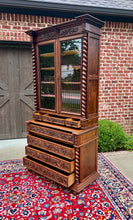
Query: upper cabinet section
[[66, 69]]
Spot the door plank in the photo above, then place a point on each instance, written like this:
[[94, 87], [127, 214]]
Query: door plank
[[16, 91]]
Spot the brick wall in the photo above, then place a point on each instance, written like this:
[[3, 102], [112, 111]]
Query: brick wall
[[116, 62], [13, 26], [116, 74]]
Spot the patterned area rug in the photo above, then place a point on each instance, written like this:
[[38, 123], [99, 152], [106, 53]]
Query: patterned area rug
[[25, 195]]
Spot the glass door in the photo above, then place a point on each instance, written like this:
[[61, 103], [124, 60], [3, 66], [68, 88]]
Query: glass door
[[47, 76], [70, 75]]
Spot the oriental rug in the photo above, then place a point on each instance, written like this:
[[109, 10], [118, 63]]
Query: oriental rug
[[26, 195]]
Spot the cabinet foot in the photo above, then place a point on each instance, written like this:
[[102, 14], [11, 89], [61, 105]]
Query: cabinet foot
[[77, 187]]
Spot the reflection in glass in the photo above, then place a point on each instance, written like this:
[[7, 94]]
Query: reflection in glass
[[47, 81], [47, 102], [70, 75]]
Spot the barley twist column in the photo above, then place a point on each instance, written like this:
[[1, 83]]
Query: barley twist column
[[34, 78], [84, 76], [77, 165]]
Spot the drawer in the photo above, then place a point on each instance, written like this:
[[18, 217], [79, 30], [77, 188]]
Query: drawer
[[61, 178], [37, 116], [54, 120], [47, 132], [64, 165], [52, 147], [73, 123]]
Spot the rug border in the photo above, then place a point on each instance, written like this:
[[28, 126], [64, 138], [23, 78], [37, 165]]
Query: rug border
[[117, 168]]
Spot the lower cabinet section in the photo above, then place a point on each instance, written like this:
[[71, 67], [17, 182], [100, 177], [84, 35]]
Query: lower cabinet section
[[65, 155], [63, 179]]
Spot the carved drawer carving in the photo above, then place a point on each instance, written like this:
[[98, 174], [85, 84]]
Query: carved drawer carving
[[54, 120], [72, 123], [52, 147], [51, 133], [37, 116], [65, 180], [50, 159]]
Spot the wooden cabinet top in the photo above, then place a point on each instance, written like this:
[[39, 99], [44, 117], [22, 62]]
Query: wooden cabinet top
[[81, 24]]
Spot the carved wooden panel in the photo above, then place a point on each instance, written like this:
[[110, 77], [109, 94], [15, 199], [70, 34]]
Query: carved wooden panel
[[90, 122], [54, 120], [52, 147], [50, 159], [37, 116], [52, 34], [73, 123], [51, 133], [86, 136], [65, 180]]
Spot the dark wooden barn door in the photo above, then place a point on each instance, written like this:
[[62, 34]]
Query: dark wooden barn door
[[16, 92]]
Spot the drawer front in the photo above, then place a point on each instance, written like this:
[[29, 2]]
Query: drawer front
[[65, 180], [51, 147], [72, 123], [37, 116], [50, 159], [51, 133], [55, 120]]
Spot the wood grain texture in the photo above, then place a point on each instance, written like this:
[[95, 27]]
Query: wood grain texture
[[88, 164]]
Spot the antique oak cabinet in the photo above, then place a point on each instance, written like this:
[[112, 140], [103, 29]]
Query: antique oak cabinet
[[63, 134]]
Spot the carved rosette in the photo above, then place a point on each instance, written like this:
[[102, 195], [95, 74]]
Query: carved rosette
[[84, 76], [77, 165], [34, 77]]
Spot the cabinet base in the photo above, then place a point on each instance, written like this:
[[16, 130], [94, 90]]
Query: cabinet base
[[77, 187]]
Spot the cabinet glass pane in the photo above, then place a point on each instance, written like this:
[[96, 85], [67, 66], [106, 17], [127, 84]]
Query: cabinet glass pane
[[70, 75], [47, 79]]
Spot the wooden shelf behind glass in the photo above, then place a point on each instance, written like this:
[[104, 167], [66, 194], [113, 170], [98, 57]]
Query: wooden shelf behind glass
[[47, 55], [47, 82], [47, 68], [64, 53], [48, 95], [71, 97], [74, 83]]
